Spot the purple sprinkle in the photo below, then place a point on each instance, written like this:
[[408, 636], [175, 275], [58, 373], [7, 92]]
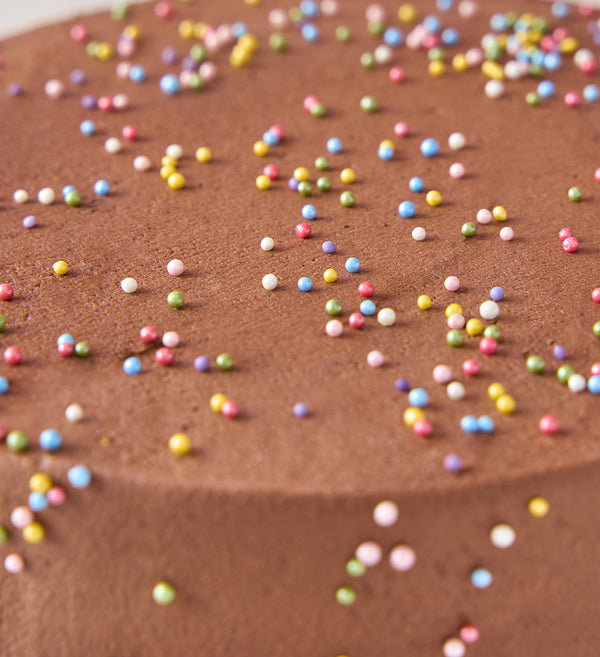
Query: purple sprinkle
[[496, 294], [300, 409], [202, 363], [453, 463], [168, 55], [89, 102], [189, 64], [293, 184], [14, 89], [28, 221], [559, 352], [402, 385], [329, 247], [77, 76]]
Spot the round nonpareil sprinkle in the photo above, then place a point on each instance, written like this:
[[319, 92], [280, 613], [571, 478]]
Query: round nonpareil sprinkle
[[402, 558]]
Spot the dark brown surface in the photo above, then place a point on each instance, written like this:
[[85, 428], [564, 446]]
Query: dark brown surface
[[255, 526]]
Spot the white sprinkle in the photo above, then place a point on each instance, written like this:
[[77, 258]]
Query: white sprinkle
[[46, 196], [141, 163], [577, 383], [129, 285], [489, 310], [112, 145], [455, 390], [402, 558], [457, 141], [494, 89], [174, 150], [386, 317], [123, 69], [507, 234], [278, 18], [269, 282], [334, 328], [175, 267], [54, 89], [484, 216], [267, 243], [453, 648], [20, 196], [502, 536], [419, 234], [385, 514], [120, 101], [383, 54], [74, 413], [375, 358], [170, 339]]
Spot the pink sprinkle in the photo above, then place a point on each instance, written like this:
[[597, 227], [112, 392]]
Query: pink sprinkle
[[488, 346], [442, 374], [401, 129], [456, 321], [595, 369], [596, 295], [356, 320], [452, 283], [571, 244], [230, 409], [402, 558], [597, 175], [334, 328], [375, 358], [54, 89], [278, 130], [175, 267], [14, 563], [457, 170], [79, 33], [563, 233], [423, 428], [507, 234], [549, 425], [310, 101], [471, 367], [474, 57], [572, 99], [484, 216], [397, 74], [126, 47], [467, 8], [56, 496], [271, 171], [163, 10], [430, 41], [369, 553], [21, 516], [588, 66], [207, 71], [375, 13], [469, 633]]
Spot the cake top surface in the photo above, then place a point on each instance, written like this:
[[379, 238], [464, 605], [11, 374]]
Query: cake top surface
[[522, 156]]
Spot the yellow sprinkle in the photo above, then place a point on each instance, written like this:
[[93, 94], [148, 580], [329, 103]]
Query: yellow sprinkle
[[499, 213], [492, 70], [263, 182], [204, 154], [437, 68], [407, 13], [176, 181], [167, 171], [506, 404], [260, 148], [105, 441], [186, 30], [249, 42], [474, 326], [538, 507], [33, 532], [460, 63], [104, 51], [495, 390], [301, 174], [453, 309], [330, 275], [424, 302], [132, 32], [40, 482], [348, 176], [387, 143], [168, 161], [433, 198], [200, 30], [217, 401], [239, 57], [412, 415], [60, 267], [568, 45], [180, 444]]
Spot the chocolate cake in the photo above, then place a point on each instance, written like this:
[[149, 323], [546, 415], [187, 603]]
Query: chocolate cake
[[216, 444]]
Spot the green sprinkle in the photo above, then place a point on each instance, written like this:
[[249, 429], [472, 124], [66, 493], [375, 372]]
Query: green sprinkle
[[345, 595], [535, 364], [224, 362], [468, 229], [196, 82], [163, 593], [119, 11], [82, 349], [355, 568], [323, 184], [318, 110], [367, 60], [3, 534], [564, 373], [295, 14], [369, 104], [596, 329], [304, 188], [278, 42], [333, 307], [455, 338], [175, 299], [574, 194], [17, 441], [92, 48], [492, 331], [532, 99], [73, 199], [436, 54], [2, 322], [343, 34], [322, 163], [376, 28], [347, 199]]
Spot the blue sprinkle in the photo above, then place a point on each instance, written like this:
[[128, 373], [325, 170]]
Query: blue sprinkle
[[432, 24], [552, 61], [310, 32], [485, 424], [393, 37], [591, 93], [293, 184], [560, 9], [481, 578], [469, 424], [4, 385], [79, 476], [416, 184], [270, 138], [169, 84], [67, 189], [334, 145], [430, 147], [367, 307], [239, 29], [329, 247], [50, 440], [65, 337], [309, 212], [300, 409], [102, 188], [352, 265], [309, 8], [29, 221], [450, 36], [137, 73], [385, 153], [594, 384], [132, 365], [37, 501], [496, 293], [305, 284], [546, 89], [498, 22], [407, 209], [87, 127], [444, 5], [418, 397], [559, 352]]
